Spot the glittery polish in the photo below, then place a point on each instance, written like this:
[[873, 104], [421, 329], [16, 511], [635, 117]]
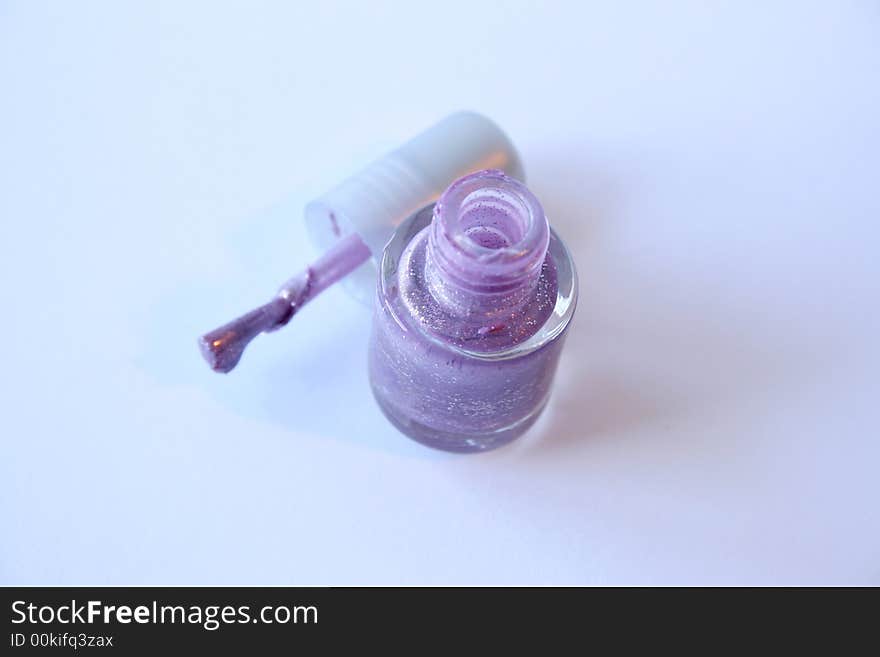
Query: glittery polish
[[474, 297]]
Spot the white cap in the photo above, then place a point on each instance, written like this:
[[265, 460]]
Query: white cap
[[376, 200]]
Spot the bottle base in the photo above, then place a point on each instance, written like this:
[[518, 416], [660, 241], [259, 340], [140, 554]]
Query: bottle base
[[461, 443]]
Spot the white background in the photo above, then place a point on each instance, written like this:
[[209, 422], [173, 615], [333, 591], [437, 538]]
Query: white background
[[715, 168]]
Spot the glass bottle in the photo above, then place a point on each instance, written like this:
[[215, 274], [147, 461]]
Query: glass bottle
[[475, 295]]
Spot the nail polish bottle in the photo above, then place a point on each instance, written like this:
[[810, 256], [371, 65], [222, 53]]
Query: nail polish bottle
[[474, 297], [473, 292]]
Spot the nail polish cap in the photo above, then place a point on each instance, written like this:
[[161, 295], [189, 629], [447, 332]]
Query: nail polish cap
[[374, 201]]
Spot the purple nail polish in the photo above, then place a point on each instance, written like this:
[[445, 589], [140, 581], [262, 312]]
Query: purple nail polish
[[475, 295]]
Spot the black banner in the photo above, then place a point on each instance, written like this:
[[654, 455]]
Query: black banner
[[247, 620]]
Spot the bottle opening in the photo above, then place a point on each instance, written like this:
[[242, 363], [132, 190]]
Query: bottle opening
[[492, 218], [489, 237]]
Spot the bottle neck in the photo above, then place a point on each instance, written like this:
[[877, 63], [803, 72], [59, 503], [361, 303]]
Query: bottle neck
[[486, 246]]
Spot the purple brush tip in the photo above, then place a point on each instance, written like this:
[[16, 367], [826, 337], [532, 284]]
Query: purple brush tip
[[223, 347]]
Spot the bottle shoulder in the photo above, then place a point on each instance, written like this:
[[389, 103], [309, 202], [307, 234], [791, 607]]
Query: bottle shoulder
[[405, 293]]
